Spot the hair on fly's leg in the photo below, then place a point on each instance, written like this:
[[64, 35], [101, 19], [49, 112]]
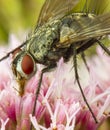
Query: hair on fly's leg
[[78, 82]]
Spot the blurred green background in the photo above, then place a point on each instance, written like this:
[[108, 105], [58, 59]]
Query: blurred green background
[[16, 15]]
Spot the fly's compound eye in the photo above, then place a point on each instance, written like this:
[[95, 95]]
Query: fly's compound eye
[[24, 64], [27, 64]]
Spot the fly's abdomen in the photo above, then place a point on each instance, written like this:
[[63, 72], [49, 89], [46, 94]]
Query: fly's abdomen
[[79, 27], [78, 20], [81, 21], [73, 25]]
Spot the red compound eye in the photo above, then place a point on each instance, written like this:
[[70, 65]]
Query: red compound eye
[[27, 64]]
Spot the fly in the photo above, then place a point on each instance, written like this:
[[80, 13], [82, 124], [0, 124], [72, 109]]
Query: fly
[[64, 29]]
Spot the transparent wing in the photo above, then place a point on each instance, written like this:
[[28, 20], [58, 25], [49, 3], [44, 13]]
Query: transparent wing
[[98, 6], [93, 6], [98, 27], [54, 9], [94, 29]]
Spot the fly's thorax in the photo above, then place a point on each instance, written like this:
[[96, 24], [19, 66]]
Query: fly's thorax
[[43, 39], [23, 65]]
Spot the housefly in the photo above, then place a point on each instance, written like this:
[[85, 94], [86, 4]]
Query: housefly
[[64, 28]]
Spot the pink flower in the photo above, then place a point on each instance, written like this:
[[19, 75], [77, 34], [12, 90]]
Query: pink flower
[[3, 124], [60, 105]]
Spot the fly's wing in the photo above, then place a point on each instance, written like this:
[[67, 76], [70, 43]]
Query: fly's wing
[[98, 26], [93, 6], [93, 29], [54, 9]]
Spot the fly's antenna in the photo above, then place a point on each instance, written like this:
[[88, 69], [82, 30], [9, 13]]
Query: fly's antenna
[[7, 55]]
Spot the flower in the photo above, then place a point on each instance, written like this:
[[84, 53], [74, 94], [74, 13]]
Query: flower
[[60, 105]]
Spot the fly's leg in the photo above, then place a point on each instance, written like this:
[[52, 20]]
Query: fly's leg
[[11, 52], [103, 47], [47, 69], [86, 46], [84, 60], [90, 43], [78, 82]]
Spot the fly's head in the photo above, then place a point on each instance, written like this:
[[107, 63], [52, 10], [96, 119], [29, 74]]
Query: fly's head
[[23, 67]]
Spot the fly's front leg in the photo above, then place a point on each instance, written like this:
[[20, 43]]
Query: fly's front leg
[[78, 82], [47, 69]]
